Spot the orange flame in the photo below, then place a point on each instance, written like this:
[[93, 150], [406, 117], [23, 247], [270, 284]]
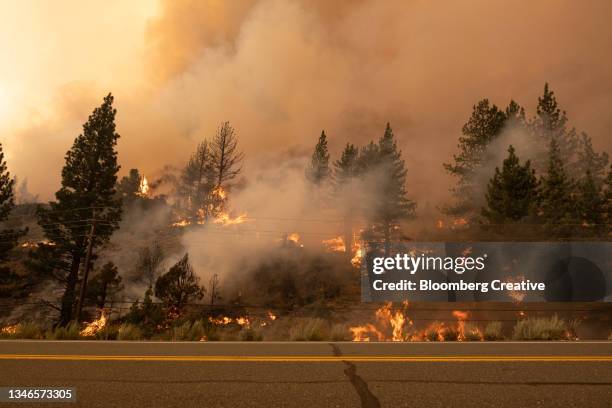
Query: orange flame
[[143, 188], [334, 244], [92, 328]]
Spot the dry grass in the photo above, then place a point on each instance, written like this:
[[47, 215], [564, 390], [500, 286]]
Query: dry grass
[[493, 331], [540, 328]]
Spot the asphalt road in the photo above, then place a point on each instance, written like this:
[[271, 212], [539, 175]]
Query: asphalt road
[[150, 374]]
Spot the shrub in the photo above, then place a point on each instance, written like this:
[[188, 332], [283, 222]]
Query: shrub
[[449, 334], [108, 332], [129, 332], [70, 332], [308, 330], [249, 334], [493, 331], [540, 328], [471, 332], [432, 333], [340, 332]]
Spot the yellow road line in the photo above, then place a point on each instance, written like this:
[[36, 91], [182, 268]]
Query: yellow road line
[[306, 359]]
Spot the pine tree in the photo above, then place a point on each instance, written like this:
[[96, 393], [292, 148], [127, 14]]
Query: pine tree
[[180, 285], [345, 173], [104, 285], [318, 170], [8, 238], [589, 161], [557, 205], [198, 181], [607, 197], [392, 202], [512, 192], [550, 123], [485, 125], [129, 186], [226, 158], [87, 196], [591, 204]]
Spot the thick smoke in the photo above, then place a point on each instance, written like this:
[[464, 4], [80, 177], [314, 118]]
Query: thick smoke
[[280, 71]]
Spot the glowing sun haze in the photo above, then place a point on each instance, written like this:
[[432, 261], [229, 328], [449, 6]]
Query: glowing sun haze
[[282, 70]]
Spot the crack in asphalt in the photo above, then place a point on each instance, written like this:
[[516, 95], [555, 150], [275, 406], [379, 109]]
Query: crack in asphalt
[[368, 400]]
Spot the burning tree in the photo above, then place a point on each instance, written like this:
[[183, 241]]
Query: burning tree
[[180, 285], [208, 174], [87, 209]]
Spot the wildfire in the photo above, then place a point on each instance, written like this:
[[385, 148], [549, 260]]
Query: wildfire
[[143, 188], [225, 219], [460, 222], [271, 315], [92, 328], [388, 318], [439, 224], [334, 244], [9, 329], [358, 253], [32, 244], [394, 325], [362, 333]]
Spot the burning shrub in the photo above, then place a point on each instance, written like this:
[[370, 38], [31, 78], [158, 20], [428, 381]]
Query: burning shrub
[[471, 332], [26, 330], [540, 328], [493, 331], [450, 334], [434, 332], [309, 329], [129, 332], [340, 332]]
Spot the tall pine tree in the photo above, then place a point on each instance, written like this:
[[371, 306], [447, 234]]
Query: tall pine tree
[[511, 193], [550, 123], [8, 237], [392, 202], [484, 125], [345, 173], [318, 170], [591, 205], [557, 205], [86, 202]]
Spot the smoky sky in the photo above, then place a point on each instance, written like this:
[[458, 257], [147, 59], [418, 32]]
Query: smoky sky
[[282, 70]]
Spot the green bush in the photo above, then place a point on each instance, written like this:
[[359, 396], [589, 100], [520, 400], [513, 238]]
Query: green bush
[[493, 331], [339, 332], [540, 328], [70, 332], [308, 330], [130, 332]]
